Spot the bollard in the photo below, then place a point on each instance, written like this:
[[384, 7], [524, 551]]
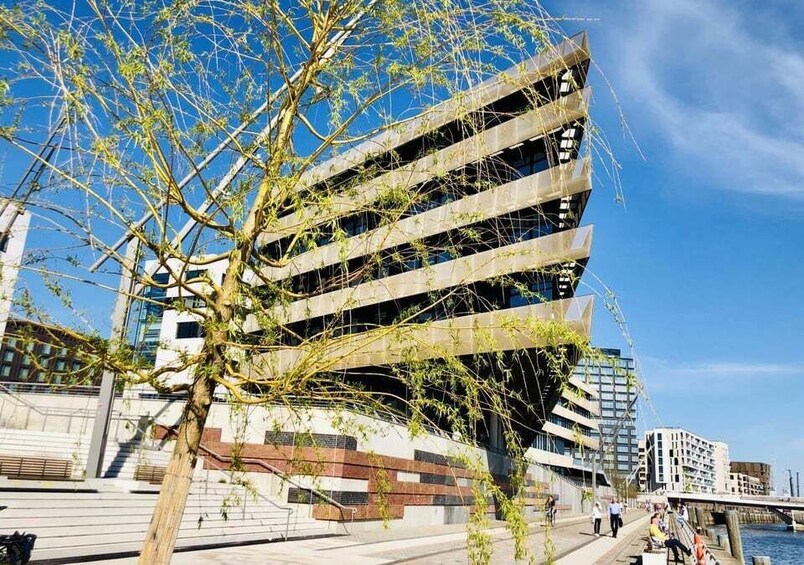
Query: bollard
[[761, 560], [723, 542], [700, 517], [733, 529]]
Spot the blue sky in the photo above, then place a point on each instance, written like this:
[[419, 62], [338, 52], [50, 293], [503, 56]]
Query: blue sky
[[705, 257]]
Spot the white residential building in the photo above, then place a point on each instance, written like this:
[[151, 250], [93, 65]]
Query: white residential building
[[722, 467], [680, 461], [164, 331], [14, 223]]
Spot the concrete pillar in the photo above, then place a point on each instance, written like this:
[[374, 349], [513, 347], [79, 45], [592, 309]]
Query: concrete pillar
[[761, 560], [103, 413], [495, 436], [723, 542], [700, 517], [733, 529]]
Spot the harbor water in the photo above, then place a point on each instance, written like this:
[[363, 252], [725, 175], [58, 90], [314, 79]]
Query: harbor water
[[774, 540]]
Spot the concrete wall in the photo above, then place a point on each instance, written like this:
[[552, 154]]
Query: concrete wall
[[426, 464]]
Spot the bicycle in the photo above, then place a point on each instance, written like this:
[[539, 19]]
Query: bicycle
[[16, 549]]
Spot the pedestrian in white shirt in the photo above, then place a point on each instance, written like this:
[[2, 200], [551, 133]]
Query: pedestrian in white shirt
[[597, 517]]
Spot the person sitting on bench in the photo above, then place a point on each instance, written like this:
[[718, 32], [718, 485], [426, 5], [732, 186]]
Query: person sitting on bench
[[657, 534]]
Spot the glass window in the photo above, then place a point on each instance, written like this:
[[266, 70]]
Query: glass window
[[60, 365], [188, 330], [8, 356], [515, 298], [194, 274], [6, 370], [24, 373], [26, 360], [45, 349]]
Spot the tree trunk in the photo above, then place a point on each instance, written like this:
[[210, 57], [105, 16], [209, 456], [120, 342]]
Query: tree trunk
[[157, 549]]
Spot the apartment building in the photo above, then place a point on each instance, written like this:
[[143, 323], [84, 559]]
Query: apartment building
[[34, 353], [761, 471], [679, 461], [612, 376], [722, 469], [745, 485]]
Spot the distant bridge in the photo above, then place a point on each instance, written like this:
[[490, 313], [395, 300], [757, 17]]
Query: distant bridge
[[783, 507]]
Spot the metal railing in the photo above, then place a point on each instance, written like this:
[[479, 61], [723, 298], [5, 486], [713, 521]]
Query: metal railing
[[47, 388], [85, 413], [286, 478], [685, 534], [266, 466], [288, 511]]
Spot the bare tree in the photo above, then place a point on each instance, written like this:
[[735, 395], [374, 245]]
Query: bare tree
[[206, 119]]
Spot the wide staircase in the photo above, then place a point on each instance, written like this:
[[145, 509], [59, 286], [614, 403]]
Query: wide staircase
[[76, 522], [42, 486]]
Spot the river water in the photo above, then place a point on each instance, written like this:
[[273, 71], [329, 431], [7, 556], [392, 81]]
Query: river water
[[773, 540]]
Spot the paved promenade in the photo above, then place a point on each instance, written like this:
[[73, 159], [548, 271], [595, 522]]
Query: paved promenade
[[570, 541]]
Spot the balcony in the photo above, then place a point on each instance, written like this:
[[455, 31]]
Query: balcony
[[531, 255], [566, 54], [560, 181], [535, 123], [501, 330]]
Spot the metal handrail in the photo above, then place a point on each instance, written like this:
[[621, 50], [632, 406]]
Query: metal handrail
[[288, 511], [53, 388], [683, 527], [268, 467], [205, 449]]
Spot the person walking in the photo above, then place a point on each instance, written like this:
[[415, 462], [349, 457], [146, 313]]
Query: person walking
[[550, 510], [683, 514], [615, 517], [597, 517]]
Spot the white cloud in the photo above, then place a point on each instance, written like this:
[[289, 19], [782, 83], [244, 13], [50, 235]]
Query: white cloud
[[667, 377], [723, 89], [737, 369]]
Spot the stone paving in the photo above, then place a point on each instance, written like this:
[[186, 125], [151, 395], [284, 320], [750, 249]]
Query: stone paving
[[437, 545]]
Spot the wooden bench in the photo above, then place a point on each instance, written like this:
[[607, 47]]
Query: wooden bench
[[153, 474], [35, 468]]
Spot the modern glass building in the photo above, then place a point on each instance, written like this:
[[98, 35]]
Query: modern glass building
[[487, 239], [612, 376]]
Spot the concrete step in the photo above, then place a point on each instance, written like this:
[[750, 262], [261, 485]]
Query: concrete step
[[107, 521], [88, 521], [132, 548]]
